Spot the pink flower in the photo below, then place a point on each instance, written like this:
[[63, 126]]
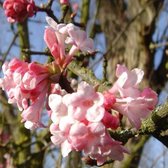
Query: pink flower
[[33, 112], [60, 134], [55, 42], [111, 120], [103, 147], [79, 41], [27, 85], [58, 108], [109, 100], [57, 36], [8, 161], [19, 10], [80, 105], [127, 82], [130, 101], [78, 118], [85, 103], [78, 134], [12, 81], [64, 2]]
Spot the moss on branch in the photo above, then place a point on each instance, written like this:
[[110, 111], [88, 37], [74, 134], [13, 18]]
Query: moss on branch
[[85, 73], [154, 125], [85, 11], [88, 76], [24, 40]]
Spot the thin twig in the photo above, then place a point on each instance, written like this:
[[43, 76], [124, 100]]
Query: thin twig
[[127, 26], [92, 29], [47, 8], [8, 50], [158, 45], [36, 52], [49, 13]]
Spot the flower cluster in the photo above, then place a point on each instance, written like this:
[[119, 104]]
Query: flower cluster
[[26, 85], [58, 36], [86, 114], [78, 118], [29, 84], [19, 10], [129, 97], [82, 116]]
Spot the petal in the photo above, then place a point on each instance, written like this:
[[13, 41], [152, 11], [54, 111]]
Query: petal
[[55, 103], [78, 129], [65, 124], [95, 114], [66, 148], [50, 38], [57, 139], [120, 69], [51, 22], [139, 73], [97, 128]]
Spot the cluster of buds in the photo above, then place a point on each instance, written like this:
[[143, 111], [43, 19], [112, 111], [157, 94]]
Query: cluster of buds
[[19, 10]]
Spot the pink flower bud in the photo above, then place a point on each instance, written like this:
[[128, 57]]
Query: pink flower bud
[[64, 2], [109, 100], [19, 10], [111, 121]]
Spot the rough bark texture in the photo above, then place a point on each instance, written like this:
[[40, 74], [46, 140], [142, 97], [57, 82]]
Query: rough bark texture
[[128, 29]]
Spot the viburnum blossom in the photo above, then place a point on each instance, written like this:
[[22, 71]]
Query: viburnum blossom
[[86, 115], [58, 35], [27, 85], [78, 118], [130, 101], [19, 10], [79, 41]]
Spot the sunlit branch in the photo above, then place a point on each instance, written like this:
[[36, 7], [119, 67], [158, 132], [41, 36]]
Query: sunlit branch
[[65, 9], [46, 53], [8, 50], [158, 45], [93, 26], [87, 75]]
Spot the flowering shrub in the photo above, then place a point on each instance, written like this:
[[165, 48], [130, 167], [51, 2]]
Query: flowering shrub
[[19, 10], [77, 116]]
